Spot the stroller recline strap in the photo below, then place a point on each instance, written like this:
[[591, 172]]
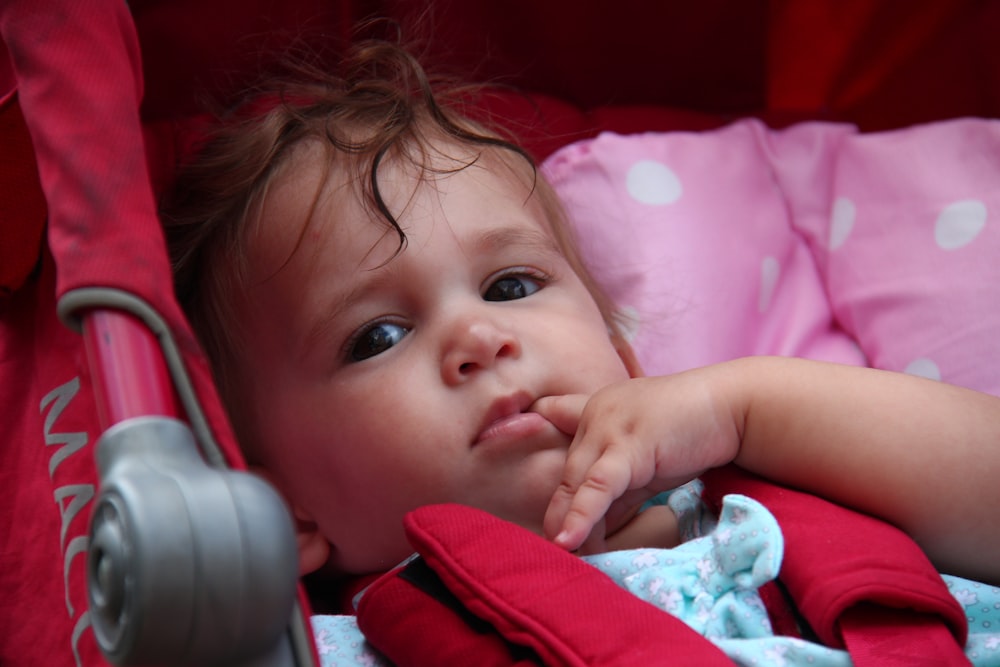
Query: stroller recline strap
[[843, 569]]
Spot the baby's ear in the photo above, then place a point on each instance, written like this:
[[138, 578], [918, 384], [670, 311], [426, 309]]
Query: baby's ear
[[313, 548], [627, 355]]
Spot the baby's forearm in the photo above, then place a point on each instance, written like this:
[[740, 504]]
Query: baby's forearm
[[921, 454]]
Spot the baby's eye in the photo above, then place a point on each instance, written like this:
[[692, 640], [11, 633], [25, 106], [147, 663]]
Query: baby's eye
[[375, 339], [510, 287]]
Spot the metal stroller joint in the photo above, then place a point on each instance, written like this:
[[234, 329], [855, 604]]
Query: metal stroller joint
[[188, 564]]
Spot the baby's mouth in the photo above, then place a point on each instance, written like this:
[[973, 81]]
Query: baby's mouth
[[507, 419]]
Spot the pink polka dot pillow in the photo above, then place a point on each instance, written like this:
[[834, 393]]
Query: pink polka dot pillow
[[814, 241]]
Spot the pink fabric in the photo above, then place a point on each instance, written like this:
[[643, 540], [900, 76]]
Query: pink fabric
[[813, 241]]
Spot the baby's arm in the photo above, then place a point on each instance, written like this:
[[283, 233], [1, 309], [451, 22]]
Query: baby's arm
[[921, 454]]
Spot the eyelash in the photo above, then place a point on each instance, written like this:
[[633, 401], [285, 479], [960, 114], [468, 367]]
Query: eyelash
[[543, 279], [351, 343]]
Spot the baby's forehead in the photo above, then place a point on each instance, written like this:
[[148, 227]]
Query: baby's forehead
[[321, 195], [313, 164]]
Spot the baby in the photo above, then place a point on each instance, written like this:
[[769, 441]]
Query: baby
[[397, 316]]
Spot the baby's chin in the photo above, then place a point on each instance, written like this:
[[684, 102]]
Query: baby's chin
[[527, 503], [530, 512]]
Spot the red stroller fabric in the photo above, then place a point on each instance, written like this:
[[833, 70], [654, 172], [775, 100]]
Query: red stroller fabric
[[78, 76], [861, 584], [521, 592]]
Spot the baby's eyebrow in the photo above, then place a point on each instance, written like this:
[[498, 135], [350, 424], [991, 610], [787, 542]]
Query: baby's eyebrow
[[516, 237], [339, 303]]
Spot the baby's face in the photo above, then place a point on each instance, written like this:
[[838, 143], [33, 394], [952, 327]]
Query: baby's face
[[380, 383]]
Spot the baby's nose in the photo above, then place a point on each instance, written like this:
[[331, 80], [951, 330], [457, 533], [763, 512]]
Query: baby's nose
[[476, 344]]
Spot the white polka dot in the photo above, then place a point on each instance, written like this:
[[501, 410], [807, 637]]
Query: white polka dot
[[770, 270], [841, 221], [651, 182], [959, 223], [923, 367], [629, 320]]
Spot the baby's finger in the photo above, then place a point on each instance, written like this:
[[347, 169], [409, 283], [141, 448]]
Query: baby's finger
[[563, 411], [573, 513], [578, 462], [595, 542]]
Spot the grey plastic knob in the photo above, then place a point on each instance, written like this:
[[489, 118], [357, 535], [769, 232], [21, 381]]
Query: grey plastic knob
[[187, 564]]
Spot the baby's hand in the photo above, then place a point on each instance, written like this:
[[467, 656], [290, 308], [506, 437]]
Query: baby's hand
[[633, 440]]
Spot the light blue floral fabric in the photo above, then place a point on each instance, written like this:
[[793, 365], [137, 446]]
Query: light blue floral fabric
[[710, 582]]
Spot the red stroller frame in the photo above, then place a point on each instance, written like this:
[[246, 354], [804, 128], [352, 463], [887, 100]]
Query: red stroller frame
[[75, 71]]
